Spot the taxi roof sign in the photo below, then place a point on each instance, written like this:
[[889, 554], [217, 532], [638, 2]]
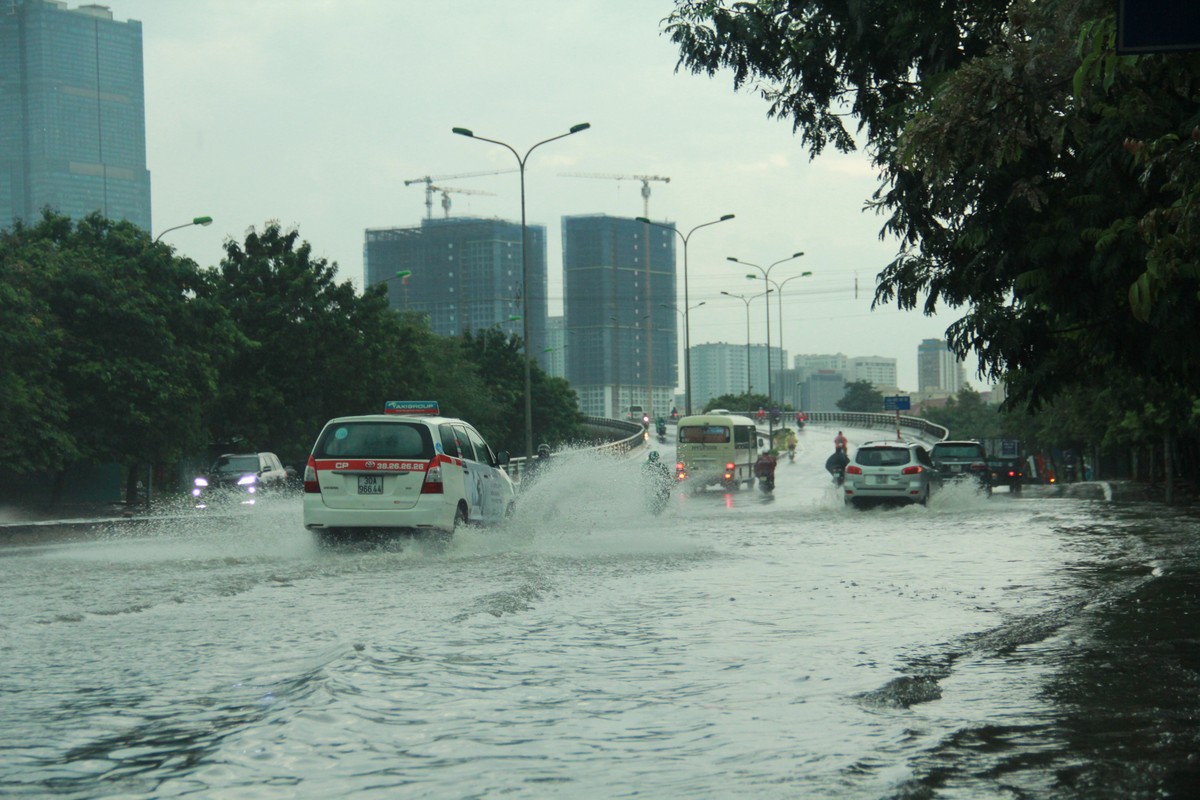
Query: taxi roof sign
[[428, 407]]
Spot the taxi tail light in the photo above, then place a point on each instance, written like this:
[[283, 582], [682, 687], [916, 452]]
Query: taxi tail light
[[433, 480], [729, 469], [310, 476], [916, 469], [680, 471], [853, 470]]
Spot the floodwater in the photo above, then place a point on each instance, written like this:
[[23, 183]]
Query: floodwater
[[736, 645]]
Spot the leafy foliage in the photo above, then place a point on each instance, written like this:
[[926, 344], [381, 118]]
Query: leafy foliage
[[117, 350], [1037, 181], [861, 396]]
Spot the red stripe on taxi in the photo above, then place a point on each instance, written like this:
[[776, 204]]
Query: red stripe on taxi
[[381, 464]]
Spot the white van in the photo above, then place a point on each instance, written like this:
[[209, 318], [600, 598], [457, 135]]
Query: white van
[[716, 449], [409, 468]]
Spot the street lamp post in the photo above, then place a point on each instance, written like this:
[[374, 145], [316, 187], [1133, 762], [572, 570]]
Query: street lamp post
[[747, 300], [521, 160], [195, 221], [779, 288], [766, 273], [683, 312], [687, 327]]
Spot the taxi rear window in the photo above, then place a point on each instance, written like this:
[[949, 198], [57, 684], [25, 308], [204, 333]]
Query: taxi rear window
[[375, 440]]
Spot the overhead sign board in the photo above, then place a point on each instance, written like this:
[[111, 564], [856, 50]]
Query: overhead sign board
[[900, 402]]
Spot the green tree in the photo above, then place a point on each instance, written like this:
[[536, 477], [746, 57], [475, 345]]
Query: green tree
[[133, 363], [34, 414], [1035, 179], [738, 402], [311, 349], [861, 396]]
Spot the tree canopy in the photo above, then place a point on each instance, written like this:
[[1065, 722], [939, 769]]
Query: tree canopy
[[1036, 181], [117, 350]]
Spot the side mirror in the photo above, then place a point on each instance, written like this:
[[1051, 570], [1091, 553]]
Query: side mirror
[[502, 458]]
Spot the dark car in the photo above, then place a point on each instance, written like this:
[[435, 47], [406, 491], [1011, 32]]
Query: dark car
[[240, 477], [1008, 472], [962, 460]]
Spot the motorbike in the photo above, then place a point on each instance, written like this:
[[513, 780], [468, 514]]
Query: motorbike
[[791, 454], [839, 476], [657, 488]]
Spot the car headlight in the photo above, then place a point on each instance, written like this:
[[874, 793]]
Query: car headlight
[[201, 482], [247, 480]]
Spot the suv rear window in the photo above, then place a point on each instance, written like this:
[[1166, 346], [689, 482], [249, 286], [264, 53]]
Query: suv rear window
[[375, 440], [881, 456]]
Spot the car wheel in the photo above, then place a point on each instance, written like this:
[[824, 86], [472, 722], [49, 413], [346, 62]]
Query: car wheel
[[460, 517]]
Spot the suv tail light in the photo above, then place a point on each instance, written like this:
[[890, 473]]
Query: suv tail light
[[853, 470], [916, 469], [310, 476], [433, 480]]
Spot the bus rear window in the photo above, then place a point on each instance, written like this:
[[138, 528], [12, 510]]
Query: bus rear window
[[704, 434]]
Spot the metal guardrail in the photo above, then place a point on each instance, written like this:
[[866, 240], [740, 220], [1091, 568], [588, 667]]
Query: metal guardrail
[[620, 437], [868, 420]]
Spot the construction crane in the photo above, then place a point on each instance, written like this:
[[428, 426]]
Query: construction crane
[[429, 179], [645, 179], [446, 190]]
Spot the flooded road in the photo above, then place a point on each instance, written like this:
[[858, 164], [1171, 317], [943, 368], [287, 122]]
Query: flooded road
[[737, 644]]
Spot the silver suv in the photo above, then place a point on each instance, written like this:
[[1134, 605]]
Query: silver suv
[[890, 472]]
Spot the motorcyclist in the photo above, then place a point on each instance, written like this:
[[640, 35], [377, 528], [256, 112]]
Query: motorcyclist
[[791, 443], [836, 465], [839, 442], [764, 470], [660, 427], [657, 482]]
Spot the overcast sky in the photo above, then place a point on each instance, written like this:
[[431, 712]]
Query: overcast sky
[[315, 113]]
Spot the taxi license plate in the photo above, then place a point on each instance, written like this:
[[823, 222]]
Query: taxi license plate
[[370, 484]]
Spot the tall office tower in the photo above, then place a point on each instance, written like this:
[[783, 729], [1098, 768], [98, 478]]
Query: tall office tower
[[464, 274], [72, 113], [621, 314], [938, 369]]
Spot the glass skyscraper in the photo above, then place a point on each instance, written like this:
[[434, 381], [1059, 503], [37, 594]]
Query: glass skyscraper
[[72, 113], [465, 275], [620, 309]]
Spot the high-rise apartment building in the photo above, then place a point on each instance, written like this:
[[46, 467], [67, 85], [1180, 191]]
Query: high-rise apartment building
[[837, 362], [621, 317], [464, 273], [719, 368], [938, 369], [878, 371], [72, 113]]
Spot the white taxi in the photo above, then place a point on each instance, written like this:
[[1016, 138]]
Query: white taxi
[[409, 468]]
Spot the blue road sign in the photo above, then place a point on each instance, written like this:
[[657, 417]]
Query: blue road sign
[[900, 402]]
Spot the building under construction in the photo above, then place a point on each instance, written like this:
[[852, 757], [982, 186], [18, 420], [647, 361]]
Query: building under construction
[[620, 314], [463, 273]]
